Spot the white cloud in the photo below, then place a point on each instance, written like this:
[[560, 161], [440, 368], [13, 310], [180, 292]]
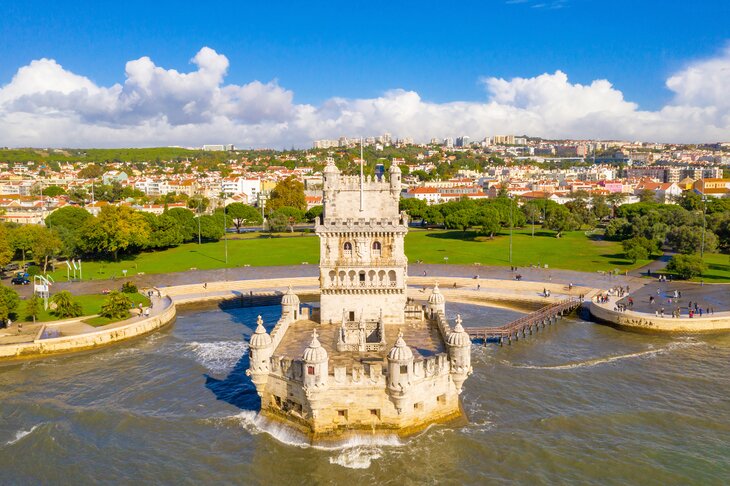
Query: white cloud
[[46, 105]]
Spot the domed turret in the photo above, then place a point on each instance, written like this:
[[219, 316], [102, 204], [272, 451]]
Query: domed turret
[[315, 353], [458, 337], [315, 366], [400, 371], [260, 338], [436, 301], [260, 348], [331, 168], [290, 304], [400, 350], [459, 345]]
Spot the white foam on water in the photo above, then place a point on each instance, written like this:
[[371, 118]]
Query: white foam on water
[[355, 452], [19, 435], [217, 356], [360, 457], [610, 359]]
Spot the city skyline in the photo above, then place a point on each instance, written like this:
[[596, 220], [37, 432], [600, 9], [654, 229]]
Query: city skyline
[[103, 80]]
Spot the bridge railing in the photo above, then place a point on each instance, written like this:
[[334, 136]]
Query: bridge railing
[[525, 321]]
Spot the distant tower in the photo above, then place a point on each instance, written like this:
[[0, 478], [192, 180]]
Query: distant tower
[[362, 259]]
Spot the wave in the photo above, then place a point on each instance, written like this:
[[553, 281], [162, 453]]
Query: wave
[[217, 356], [355, 452], [610, 359], [357, 457], [19, 435]]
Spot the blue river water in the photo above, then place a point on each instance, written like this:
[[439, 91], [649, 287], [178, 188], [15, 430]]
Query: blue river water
[[577, 403]]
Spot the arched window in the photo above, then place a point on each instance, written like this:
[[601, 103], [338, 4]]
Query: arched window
[[376, 249], [348, 249]]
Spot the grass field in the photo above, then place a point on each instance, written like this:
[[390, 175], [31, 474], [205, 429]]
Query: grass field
[[90, 304], [574, 251], [718, 268]]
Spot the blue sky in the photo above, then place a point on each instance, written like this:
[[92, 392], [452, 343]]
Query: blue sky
[[361, 50]]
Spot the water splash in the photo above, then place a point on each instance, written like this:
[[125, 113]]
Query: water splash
[[360, 457], [610, 359], [217, 356], [19, 435]]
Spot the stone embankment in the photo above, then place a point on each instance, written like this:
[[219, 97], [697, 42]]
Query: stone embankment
[[643, 321], [74, 336]]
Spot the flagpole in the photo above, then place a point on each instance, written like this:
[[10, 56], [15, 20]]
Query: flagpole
[[362, 194]]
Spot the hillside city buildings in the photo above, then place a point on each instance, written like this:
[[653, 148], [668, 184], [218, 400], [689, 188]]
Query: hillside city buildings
[[523, 167]]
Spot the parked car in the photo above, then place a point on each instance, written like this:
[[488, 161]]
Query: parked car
[[20, 280], [11, 267]]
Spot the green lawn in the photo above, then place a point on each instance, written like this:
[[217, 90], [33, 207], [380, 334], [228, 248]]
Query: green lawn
[[574, 251], [718, 268], [90, 304]]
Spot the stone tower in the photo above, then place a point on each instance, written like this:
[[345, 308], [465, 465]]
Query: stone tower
[[362, 260]]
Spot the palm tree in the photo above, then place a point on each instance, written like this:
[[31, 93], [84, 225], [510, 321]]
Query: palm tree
[[65, 305]]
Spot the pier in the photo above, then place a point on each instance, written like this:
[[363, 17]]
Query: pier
[[525, 325]]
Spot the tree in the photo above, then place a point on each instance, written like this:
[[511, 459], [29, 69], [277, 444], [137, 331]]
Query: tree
[[690, 200], [211, 227], [6, 250], [33, 306], [460, 219], [414, 207], [116, 305], [559, 219], [198, 204], [22, 238], [433, 215], [615, 199], [53, 191], [688, 239], [186, 222], [65, 305], [601, 209], [243, 215], [313, 213], [164, 231], [487, 218], [686, 266], [46, 245], [636, 248], [647, 196], [288, 192], [117, 228], [91, 171], [9, 301], [68, 222]]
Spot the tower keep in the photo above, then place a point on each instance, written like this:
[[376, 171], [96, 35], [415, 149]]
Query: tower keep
[[362, 260]]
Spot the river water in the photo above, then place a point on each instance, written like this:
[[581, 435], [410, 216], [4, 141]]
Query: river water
[[578, 403]]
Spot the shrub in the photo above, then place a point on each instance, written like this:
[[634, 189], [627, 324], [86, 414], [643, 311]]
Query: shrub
[[65, 305], [686, 266], [116, 305], [33, 270], [129, 288]]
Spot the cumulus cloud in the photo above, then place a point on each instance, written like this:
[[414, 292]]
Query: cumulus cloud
[[47, 105]]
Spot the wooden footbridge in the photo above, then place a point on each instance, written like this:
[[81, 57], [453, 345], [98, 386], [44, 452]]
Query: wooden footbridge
[[524, 326]]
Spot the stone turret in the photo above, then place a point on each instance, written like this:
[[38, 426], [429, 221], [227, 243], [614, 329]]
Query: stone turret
[[400, 372], [260, 349], [290, 304], [459, 345], [436, 301], [395, 183], [315, 371]]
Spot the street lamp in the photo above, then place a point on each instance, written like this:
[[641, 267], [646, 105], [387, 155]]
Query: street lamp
[[511, 226], [704, 225]]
